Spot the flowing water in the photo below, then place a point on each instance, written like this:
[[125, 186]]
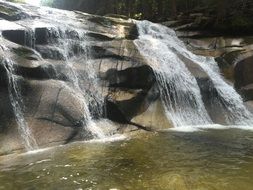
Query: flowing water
[[18, 105], [209, 160], [70, 44], [82, 55], [74, 46], [178, 87]]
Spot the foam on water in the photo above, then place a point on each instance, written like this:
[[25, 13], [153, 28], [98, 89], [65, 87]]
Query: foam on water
[[38, 151], [196, 128], [112, 138]]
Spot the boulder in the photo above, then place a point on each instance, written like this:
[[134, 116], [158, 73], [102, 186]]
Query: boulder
[[11, 12], [54, 66], [249, 105], [243, 71], [88, 67], [247, 92]]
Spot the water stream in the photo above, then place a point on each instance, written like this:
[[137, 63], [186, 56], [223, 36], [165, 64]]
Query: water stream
[[80, 80], [18, 106], [178, 88], [74, 46]]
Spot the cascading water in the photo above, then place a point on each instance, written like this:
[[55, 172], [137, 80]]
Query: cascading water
[[18, 106], [231, 102], [178, 88], [74, 47], [76, 78]]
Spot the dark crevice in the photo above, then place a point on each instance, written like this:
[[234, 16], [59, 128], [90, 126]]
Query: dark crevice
[[56, 102]]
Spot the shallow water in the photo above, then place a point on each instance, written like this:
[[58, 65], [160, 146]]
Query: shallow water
[[208, 159]]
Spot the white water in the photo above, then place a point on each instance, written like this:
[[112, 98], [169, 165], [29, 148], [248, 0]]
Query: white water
[[232, 103], [195, 128], [18, 107], [84, 81], [178, 87], [77, 80]]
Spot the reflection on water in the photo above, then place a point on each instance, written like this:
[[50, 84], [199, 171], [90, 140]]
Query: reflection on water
[[204, 160]]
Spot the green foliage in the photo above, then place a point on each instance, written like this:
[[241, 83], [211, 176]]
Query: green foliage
[[216, 14], [240, 21], [47, 2], [155, 10], [17, 1]]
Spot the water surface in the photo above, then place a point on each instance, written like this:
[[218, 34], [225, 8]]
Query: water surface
[[204, 160]]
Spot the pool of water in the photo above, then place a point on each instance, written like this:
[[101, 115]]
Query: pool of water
[[203, 160]]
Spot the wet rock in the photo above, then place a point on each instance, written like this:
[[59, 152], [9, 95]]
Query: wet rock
[[243, 71], [46, 55], [99, 36], [247, 92], [131, 78], [56, 105], [50, 52], [26, 53], [249, 105], [16, 36], [233, 56], [45, 35], [11, 13]]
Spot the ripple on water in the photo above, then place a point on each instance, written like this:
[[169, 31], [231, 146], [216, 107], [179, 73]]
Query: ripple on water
[[205, 159]]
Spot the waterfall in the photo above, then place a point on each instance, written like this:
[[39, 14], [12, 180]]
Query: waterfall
[[18, 106], [179, 89], [29, 38], [234, 110], [70, 40], [76, 51]]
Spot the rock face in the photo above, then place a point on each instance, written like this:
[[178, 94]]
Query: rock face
[[60, 68], [234, 55]]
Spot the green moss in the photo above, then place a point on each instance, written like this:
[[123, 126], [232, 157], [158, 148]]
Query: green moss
[[7, 10], [17, 1], [117, 16], [240, 21], [21, 51], [25, 53], [102, 21]]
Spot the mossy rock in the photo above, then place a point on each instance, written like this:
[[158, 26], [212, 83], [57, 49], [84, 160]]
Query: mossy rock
[[11, 13], [106, 22], [26, 53], [117, 16]]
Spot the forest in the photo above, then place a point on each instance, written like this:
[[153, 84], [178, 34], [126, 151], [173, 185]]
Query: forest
[[223, 16], [220, 15]]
